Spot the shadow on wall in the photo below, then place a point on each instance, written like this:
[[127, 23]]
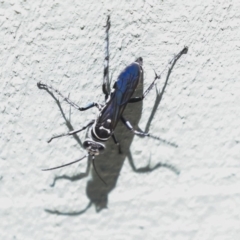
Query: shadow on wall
[[109, 164]]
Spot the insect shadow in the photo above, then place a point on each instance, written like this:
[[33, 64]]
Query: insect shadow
[[110, 162]]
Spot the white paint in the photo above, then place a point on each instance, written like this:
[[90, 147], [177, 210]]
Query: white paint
[[105, 129], [61, 43]]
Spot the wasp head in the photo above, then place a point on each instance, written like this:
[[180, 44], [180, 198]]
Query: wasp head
[[93, 148]]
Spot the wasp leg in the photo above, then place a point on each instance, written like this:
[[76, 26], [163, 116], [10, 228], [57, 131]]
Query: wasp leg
[[138, 99], [130, 127], [170, 67], [117, 143], [145, 134], [72, 132], [105, 86], [48, 88]]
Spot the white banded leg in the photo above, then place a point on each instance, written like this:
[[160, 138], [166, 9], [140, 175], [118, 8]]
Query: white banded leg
[[170, 67], [66, 99], [105, 86], [130, 127], [72, 132]]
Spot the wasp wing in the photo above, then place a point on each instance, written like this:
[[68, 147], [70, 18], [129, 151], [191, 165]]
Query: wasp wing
[[124, 89]]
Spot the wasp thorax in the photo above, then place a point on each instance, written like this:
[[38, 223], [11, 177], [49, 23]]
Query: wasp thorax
[[93, 148], [102, 131]]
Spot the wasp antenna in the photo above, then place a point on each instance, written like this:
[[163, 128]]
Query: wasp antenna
[[94, 166], [67, 164]]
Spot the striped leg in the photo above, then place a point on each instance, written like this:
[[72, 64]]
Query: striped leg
[[170, 67], [72, 132], [105, 86], [66, 99], [130, 127]]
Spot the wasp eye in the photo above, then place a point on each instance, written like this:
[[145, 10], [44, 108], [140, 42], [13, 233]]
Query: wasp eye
[[87, 144]]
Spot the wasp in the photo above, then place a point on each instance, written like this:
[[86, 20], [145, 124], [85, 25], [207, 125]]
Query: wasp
[[102, 128]]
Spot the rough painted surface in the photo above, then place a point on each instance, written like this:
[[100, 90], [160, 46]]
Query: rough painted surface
[[62, 43]]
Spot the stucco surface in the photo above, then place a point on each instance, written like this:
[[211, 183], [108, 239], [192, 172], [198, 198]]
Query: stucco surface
[[61, 43]]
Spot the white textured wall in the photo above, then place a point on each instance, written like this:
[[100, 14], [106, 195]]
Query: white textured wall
[[62, 43]]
